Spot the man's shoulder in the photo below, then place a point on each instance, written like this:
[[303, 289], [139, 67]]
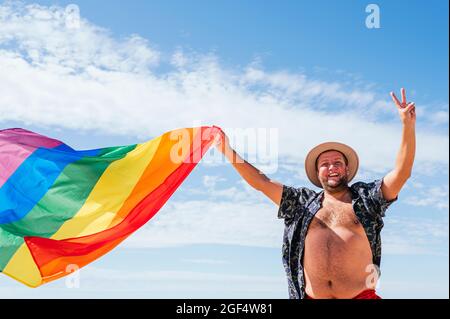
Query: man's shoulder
[[299, 194], [364, 188], [301, 190], [359, 185], [293, 202]]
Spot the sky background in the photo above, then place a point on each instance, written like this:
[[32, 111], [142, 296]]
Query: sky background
[[311, 71]]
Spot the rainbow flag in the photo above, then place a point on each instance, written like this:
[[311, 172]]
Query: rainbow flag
[[61, 208]]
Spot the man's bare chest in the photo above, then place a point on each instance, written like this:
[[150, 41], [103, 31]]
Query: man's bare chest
[[332, 215]]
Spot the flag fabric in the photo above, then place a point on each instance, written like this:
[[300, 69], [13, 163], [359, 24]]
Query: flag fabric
[[61, 208]]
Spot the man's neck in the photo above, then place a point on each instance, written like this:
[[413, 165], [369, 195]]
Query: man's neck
[[340, 195]]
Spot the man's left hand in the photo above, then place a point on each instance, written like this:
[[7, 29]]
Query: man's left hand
[[407, 111]]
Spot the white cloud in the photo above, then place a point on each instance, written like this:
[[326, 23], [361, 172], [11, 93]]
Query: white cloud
[[84, 79], [435, 114], [211, 181], [211, 222], [299, 87], [436, 196], [440, 117], [241, 192], [100, 282], [206, 261], [179, 59], [415, 236], [40, 35]]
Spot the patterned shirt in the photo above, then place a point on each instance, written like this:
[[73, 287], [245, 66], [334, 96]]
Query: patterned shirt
[[298, 207]]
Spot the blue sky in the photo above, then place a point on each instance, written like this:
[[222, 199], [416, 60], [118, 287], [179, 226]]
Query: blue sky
[[296, 35], [312, 70]]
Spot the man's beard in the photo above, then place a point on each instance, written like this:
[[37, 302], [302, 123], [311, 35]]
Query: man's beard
[[341, 185]]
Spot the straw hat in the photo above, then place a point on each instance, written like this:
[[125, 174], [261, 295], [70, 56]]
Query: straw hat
[[311, 158]]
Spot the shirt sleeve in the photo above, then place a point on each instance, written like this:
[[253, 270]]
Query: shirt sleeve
[[292, 202], [377, 197]]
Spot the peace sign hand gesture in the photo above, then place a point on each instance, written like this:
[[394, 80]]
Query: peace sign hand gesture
[[407, 111]]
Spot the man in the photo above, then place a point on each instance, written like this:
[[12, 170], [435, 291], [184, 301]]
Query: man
[[332, 245]]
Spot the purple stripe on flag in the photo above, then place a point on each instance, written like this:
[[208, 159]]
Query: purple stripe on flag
[[16, 145]]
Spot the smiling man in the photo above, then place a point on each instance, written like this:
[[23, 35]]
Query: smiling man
[[332, 243]]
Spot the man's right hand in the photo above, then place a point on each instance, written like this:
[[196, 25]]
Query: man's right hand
[[222, 142]]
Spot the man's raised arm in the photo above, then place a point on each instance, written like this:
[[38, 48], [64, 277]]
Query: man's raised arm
[[395, 179], [249, 173]]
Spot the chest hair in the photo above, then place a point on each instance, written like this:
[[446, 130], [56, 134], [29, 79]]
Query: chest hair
[[335, 214]]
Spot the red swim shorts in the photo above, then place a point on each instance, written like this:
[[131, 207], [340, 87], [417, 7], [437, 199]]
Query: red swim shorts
[[366, 294]]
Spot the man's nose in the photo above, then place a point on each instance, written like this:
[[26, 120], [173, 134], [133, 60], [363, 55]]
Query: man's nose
[[332, 169]]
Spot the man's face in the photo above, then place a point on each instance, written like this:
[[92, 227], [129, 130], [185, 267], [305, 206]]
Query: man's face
[[332, 171]]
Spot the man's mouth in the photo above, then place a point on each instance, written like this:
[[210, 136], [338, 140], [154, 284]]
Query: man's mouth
[[333, 175]]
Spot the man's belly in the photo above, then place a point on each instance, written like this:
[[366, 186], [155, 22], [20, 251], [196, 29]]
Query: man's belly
[[335, 262]]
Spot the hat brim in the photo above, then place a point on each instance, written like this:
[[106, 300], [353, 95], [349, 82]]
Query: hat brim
[[311, 158]]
